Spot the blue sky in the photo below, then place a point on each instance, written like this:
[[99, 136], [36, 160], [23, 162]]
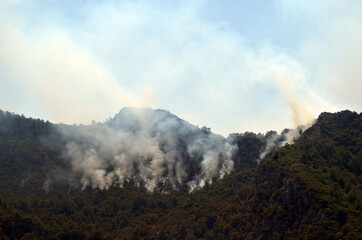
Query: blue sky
[[233, 66]]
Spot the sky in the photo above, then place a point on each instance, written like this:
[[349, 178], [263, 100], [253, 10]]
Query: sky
[[233, 66]]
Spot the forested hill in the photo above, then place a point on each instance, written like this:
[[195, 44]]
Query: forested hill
[[309, 190], [313, 189], [33, 152], [25, 158]]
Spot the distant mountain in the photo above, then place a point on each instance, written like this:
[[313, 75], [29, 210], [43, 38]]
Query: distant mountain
[[311, 189], [38, 156], [133, 119]]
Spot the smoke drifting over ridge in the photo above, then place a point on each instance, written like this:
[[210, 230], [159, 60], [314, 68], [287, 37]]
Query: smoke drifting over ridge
[[71, 69], [147, 147], [154, 149], [275, 141]]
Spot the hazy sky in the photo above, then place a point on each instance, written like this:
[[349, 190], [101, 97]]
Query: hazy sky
[[233, 66]]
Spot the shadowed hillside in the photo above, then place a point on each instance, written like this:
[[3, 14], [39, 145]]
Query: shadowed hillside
[[308, 190]]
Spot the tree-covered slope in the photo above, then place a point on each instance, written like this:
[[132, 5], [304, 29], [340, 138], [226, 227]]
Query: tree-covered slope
[[36, 158], [25, 156], [308, 190], [312, 189]]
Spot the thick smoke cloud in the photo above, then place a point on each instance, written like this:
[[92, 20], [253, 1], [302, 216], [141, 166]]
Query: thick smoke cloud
[[151, 148], [82, 65], [146, 147]]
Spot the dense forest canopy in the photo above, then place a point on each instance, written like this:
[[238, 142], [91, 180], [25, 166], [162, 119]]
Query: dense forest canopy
[[311, 189]]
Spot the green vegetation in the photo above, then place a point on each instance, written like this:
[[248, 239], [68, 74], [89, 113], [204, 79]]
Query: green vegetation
[[309, 190], [25, 158]]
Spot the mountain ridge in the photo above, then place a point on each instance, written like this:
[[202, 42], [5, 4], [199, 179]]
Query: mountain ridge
[[307, 190]]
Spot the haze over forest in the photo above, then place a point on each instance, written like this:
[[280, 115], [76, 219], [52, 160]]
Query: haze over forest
[[168, 119], [227, 65]]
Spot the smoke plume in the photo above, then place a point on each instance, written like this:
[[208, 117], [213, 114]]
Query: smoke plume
[[275, 141], [147, 148]]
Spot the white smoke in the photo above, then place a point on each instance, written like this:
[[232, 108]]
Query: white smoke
[[146, 147], [275, 141], [72, 69], [271, 143]]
